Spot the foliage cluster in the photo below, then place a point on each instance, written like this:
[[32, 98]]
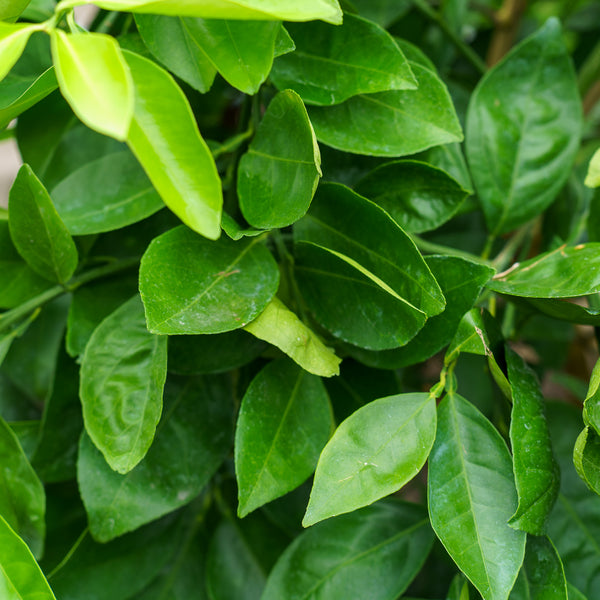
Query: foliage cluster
[[248, 246]]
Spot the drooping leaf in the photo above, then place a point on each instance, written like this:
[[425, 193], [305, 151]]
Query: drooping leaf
[[192, 440], [542, 576], [565, 272], [394, 123], [281, 327], [372, 454], [418, 196], [285, 421], [22, 498], [592, 178], [471, 496], [94, 79], [278, 176], [536, 472], [165, 139], [216, 287], [123, 372], [20, 576], [332, 63], [371, 553], [586, 458], [37, 231], [523, 127], [13, 39], [285, 10]]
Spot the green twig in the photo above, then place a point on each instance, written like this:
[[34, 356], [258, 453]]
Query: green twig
[[69, 554]]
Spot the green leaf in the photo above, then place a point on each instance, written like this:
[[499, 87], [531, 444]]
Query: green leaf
[[285, 420], [477, 333], [123, 372], [471, 494], [592, 178], [285, 10], [384, 12], [13, 332], [536, 472], [278, 176], [368, 124], [191, 442], [542, 576], [333, 63], [418, 196], [281, 327], [216, 287], [523, 127], [371, 553], [284, 43], [20, 576], [565, 272], [22, 497], [165, 139], [105, 194], [591, 405], [574, 593], [94, 79], [372, 454], [565, 310], [172, 42], [11, 9], [37, 231], [13, 39], [586, 457]]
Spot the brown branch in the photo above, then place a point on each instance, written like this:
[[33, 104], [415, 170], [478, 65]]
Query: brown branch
[[591, 98], [507, 19]]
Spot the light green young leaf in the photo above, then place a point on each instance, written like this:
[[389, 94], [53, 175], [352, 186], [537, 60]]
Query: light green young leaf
[[20, 576], [281, 327], [95, 80], [216, 287], [284, 10], [123, 372], [284, 422], [536, 473], [371, 553], [523, 128], [586, 458], [591, 405], [592, 178], [372, 454], [164, 137], [13, 39], [471, 496], [22, 496], [278, 176], [37, 231], [333, 63]]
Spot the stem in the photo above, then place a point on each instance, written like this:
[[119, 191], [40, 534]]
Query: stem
[[69, 554], [433, 248], [233, 143], [463, 48], [590, 99], [508, 20], [589, 71], [505, 256], [487, 250]]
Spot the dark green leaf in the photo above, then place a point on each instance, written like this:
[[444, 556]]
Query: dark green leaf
[[372, 454], [278, 176], [472, 495], [566, 310], [333, 63], [523, 128], [37, 231], [192, 440], [477, 333], [11, 9], [418, 196], [215, 287], [285, 421], [105, 194], [371, 553], [368, 124], [165, 139], [384, 12], [123, 372]]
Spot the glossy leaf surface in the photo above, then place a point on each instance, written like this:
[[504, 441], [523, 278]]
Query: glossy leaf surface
[[372, 454], [216, 287], [565, 272], [20, 576], [591, 405], [471, 495], [38, 233], [394, 123], [13, 39], [418, 196], [165, 139], [281, 327], [333, 63], [278, 176], [523, 127], [123, 372], [586, 458], [192, 440], [95, 80], [284, 422], [536, 472], [343, 557]]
